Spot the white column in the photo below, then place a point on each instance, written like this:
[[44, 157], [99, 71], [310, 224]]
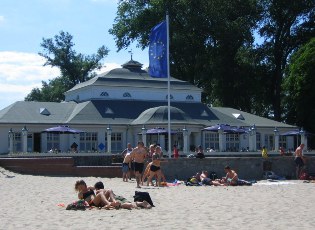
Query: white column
[[303, 139], [276, 139], [185, 139], [109, 140], [144, 135], [11, 137], [24, 139], [222, 141]]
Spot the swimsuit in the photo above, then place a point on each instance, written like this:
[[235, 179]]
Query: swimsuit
[[125, 167], [87, 196], [138, 167], [154, 168], [299, 162]]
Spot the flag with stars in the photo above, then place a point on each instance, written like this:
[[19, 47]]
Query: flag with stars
[[158, 51]]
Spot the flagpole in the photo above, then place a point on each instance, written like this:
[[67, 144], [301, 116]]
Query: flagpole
[[168, 89]]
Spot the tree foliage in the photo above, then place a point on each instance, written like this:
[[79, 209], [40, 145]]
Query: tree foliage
[[285, 26], [209, 40], [74, 67], [299, 87]]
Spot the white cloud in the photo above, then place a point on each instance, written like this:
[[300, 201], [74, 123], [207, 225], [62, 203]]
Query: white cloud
[[21, 72]]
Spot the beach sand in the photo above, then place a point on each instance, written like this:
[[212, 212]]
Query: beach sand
[[31, 202]]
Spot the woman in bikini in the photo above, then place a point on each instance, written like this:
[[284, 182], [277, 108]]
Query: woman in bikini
[[155, 167]]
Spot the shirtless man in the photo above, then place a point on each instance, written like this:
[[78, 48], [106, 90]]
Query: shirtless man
[[138, 155], [299, 160], [231, 177], [127, 163]]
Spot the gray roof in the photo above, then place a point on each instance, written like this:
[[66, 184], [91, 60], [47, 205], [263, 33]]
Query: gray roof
[[159, 115], [123, 77], [103, 112]]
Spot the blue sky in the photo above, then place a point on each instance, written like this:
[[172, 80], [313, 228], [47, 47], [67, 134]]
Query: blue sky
[[23, 24]]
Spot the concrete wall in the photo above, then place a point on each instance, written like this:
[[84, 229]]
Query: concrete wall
[[249, 168]]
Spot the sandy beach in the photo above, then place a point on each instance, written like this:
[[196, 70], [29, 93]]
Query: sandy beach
[[31, 202]]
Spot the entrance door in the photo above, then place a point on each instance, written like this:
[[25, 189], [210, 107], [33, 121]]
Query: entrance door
[[37, 141]]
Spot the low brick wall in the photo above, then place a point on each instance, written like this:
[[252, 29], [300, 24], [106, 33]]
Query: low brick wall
[[61, 166], [182, 168]]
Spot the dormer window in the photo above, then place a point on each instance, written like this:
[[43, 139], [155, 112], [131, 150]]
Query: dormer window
[[189, 98], [44, 111], [126, 94], [238, 116], [171, 97], [104, 94]]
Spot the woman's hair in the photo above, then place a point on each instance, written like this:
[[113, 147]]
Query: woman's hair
[[227, 167], [99, 185], [79, 182]]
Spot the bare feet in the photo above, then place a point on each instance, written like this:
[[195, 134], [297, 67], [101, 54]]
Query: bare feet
[[144, 204]]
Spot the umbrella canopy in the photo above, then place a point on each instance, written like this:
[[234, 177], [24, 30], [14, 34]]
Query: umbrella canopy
[[63, 129], [156, 131], [225, 129], [295, 133]]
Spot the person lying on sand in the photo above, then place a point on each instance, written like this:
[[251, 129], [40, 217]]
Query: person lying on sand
[[121, 201], [87, 193], [205, 180]]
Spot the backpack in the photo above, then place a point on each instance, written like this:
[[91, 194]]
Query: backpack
[[213, 176], [141, 196]]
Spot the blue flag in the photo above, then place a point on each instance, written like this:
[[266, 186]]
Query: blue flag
[[158, 51]]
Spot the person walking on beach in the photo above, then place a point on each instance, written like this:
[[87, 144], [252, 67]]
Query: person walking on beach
[[138, 155], [299, 160], [126, 165], [126, 151]]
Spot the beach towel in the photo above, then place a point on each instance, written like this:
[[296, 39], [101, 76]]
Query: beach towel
[[141, 196]]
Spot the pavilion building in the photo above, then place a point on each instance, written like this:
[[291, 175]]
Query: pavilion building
[[121, 106]]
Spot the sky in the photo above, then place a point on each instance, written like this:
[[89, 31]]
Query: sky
[[23, 25]]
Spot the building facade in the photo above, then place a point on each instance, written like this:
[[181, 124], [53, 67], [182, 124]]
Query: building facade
[[121, 106]]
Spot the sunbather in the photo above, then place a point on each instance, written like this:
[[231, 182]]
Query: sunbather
[[231, 177]]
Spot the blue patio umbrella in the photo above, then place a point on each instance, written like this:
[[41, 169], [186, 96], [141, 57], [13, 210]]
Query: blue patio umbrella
[[226, 129], [62, 129]]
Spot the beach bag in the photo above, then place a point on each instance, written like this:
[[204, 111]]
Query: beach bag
[[213, 176], [141, 196], [78, 205]]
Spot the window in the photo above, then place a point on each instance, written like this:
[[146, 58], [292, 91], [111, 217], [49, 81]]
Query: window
[[232, 142], [171, 97], [283, 141], [126, 94], [269, 141], [17, 142], [189, 98], [116, 142], [53, 140], [258, 145], [88, 142], [212, 141], [104, 94]]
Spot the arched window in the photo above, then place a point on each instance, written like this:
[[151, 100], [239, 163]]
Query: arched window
[[189, 98]]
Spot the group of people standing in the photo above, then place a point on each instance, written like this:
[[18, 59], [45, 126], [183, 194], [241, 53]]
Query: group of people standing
[[135, 160]]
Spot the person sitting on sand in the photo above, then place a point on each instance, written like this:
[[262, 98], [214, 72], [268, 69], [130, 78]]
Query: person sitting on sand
[[205, 180], [231, 177], [123, 202], [87, 193]]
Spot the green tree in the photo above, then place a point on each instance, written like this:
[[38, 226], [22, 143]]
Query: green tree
[[299, 87], [74, 67], [207, 42], [285, 26]]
